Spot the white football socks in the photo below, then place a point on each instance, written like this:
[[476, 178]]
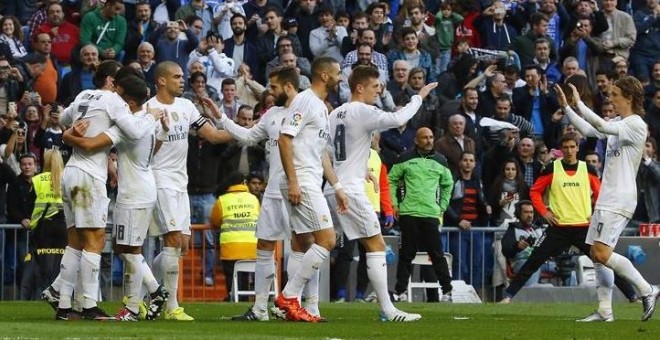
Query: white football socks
[[132, 281], [148, 279], [264, 273], [377, 272], [605, 285], [69, 267], [309, 265], [622, 266], [90, 266], [169, 268]]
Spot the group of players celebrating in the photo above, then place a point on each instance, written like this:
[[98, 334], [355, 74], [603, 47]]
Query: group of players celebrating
[[306, 145]]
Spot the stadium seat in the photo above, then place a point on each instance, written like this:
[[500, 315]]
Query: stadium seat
[[586, 274], [422, 259], [248, 266]]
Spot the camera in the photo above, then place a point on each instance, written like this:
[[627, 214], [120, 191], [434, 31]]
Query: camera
[[530, 240], [579, 25]]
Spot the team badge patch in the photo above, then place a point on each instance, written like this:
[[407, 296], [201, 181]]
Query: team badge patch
[[297, 117]]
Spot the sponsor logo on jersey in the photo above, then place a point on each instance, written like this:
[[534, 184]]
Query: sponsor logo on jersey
[[570, 184]]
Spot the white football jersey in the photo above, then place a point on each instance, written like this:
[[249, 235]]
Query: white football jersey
[[618, 190], [137, 186], [307, 122], [268, 128], [103, 109], [169, 163], [351, 128]]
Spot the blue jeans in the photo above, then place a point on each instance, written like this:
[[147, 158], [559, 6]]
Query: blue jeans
[[200, 213], [442, 61], [473, 256]]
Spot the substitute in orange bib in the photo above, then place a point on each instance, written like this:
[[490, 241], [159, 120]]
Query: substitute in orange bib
[[236, 213]]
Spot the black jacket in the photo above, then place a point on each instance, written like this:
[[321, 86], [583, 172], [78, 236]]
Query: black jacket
[[453, 213], [20, 200], [523, 103]]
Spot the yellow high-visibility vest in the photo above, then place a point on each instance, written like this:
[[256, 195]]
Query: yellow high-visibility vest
[[45, 195], [240, 211], [374, 167], [570, 196]]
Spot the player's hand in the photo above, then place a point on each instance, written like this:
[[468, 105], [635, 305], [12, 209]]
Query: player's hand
[[550, 217], [576, 94], [79, 128], [427, 89], [389, 221], [294, 193], [26, 223], [522, 244], [157, 113], [215, 110], [342, 201], [165, 121], [465, 224], [561, 97]]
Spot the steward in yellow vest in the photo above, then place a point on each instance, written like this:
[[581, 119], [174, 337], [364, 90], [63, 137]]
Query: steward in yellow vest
[[236, 213]]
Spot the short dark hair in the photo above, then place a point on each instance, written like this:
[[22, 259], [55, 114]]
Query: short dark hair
[[274, 9], [467, 153], [536, 18], [238, 15], [226, 82], [128, 71], [536, 67], [196, 75], [360, 75], [541, 40], [135, 88], [519, 205], [320, 65], [107, 68], [407, 31], [567, 137], [285, 74], [468, 89], [593, 153], [244, 107]]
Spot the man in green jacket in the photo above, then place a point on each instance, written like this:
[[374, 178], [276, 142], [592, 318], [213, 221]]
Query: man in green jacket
[[421, 185], [105, 28]]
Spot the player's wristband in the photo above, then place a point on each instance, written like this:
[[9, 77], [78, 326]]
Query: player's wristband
[[338, 186], [162, 136]]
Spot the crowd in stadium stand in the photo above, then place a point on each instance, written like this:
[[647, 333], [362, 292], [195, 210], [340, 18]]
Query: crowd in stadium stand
[[496, 63]]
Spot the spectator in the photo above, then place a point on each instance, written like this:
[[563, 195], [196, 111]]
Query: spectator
[[265, 47], [139, 29], [105, 27], [519, 239], [230, 104], [364, 58], [12, 35], [468, 208], [218, 65], [454, 144], [284, 46], [570, 67], [508, 188], [242, 158], [495, 88], [542, 59], [452, 82], [395, 142], [581, 45], [468, 105], [65, 36], [266, 102], [652, 117], [325, 41], [80, 77], [290, 60], [428, 42], [146, 55], [199, 89], [535, 103], [648, 185], [240, 49], [588, 9], [411, 53], [530, 166], [647, 46], [248, 89], [592, 159], [32, 118], [30, 68], [202, 10], [558, 20], [349, 43], [621, 34], [368, 36], [237, 241], [542, 153], [46, 82], [196, 25], [9, 84], [503, 114], [255, 12], [604, 81], [307, 14], [383, 30], [445, 27], [227, 12], [418, 207], [169, 47], [39, 17], [9, 127], [524, 44], [399, 81], [512, 79], [496, 33], [49, 135], [429, 114], [15, 146]]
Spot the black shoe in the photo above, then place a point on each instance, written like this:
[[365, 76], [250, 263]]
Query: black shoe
[[250, 315], [96, 313], [66, 314], [51, 296], [157, 302]]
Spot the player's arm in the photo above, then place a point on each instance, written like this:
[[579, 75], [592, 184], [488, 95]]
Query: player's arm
[[251, 136], [597, 122], [206, 131], [132, 126], [285, 144], [74, 137], [582, 125], [394, 119], [331, 176], [538, 188]]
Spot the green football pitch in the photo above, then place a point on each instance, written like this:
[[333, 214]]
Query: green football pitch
[[345, 321]]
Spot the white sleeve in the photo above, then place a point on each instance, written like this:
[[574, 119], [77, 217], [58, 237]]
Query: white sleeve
[[224, 66], [299, 116], [381, 120], [250, 136], [67, 115], [600, 124], [631, 131], [115, 134], [132, 126], [582, 125]]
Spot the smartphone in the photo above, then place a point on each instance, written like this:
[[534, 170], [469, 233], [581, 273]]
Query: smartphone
[[390, 28], [11, 107]]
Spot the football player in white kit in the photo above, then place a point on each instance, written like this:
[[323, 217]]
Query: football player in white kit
[[84, 192], [172, 211], [136, 198], [351, 128], [273, 223], [303, 142], [616, 203]]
